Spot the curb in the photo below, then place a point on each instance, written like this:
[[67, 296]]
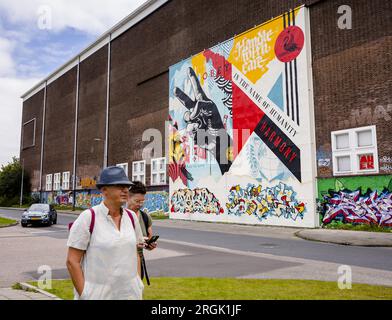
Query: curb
[[10, 225], [299, 235], [11, 208], [26, 287]]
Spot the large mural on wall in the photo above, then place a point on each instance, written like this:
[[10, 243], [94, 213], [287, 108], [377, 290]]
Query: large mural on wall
[[241, 129], [356, 200]]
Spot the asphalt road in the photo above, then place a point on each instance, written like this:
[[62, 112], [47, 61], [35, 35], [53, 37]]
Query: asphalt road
[[188, 253]]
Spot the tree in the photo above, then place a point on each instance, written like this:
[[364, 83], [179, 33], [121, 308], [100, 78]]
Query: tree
[[10, 183]]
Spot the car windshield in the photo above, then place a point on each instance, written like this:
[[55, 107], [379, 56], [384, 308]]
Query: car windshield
[[39, 207]]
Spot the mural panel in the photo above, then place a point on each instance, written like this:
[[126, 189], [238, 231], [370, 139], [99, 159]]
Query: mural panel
[[241, 144]]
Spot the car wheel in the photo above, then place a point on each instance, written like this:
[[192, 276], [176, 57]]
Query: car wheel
[[24, 225], [50, 222]]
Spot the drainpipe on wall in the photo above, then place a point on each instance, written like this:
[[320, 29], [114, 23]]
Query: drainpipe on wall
[[42, 144], [105, 156], [75, 136]]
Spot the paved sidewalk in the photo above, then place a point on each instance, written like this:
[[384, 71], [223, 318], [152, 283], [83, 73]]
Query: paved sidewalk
[[346, 237], [342, 237], [11, 294]]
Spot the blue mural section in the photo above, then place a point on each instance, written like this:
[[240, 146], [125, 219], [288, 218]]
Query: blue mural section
[[155, 202]]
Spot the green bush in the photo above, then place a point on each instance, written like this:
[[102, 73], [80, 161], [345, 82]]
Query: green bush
[[10, 184]]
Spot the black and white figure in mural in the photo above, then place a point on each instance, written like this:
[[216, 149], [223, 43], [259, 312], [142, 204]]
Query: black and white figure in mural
[[204, 123]]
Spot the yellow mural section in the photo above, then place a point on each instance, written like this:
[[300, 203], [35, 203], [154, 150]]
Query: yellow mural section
[[254, 50], [199, 65]]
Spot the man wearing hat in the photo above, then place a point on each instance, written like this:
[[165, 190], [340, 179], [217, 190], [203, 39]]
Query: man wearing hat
[[102, 255]]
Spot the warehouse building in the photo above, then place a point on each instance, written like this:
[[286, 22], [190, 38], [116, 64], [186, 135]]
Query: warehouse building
[[300, 89]]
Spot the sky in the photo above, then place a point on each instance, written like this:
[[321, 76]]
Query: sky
[[36, 38]]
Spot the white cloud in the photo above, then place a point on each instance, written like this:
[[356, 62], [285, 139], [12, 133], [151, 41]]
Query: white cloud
[[7, 65], [91, 16], [19, 70], [11, 113]]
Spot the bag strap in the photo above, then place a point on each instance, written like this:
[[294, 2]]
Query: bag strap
[[144, 270], [130, 215], [145, 220], [92, 223]]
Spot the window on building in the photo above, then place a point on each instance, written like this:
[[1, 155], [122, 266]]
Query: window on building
[[49, 178], [28, 134], [139, 171], [355, 151], [158, 171], [66, 176], [56, 181], [124, 166]]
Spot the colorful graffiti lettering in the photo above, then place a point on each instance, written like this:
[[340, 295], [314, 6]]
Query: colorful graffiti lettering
[[88, 199], [156, 202], [195, 201], [342, 199], [57, 198], [87, 183], [278, 201], [352, 207]]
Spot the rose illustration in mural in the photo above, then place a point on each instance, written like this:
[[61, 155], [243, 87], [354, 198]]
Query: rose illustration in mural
[[204, 120]]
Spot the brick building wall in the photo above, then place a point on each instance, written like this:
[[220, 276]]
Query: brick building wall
[[60, 125], [350, 69], [91, 118]]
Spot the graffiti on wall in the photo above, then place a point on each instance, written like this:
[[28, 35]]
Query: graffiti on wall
[[156, 202], [368, 115], [87, 183], [353, 207], [386, 164], [279, 201], [343, 200], [324, 162], [195, 201], [88, 199], [57, 198], [239, 114]]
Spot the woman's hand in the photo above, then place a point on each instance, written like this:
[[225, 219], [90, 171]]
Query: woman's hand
[[151, 246]]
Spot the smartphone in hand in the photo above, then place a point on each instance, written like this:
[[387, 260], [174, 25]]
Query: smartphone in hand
[[152, 240]]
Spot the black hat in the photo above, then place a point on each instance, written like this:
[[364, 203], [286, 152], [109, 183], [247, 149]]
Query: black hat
[[112, 176]]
